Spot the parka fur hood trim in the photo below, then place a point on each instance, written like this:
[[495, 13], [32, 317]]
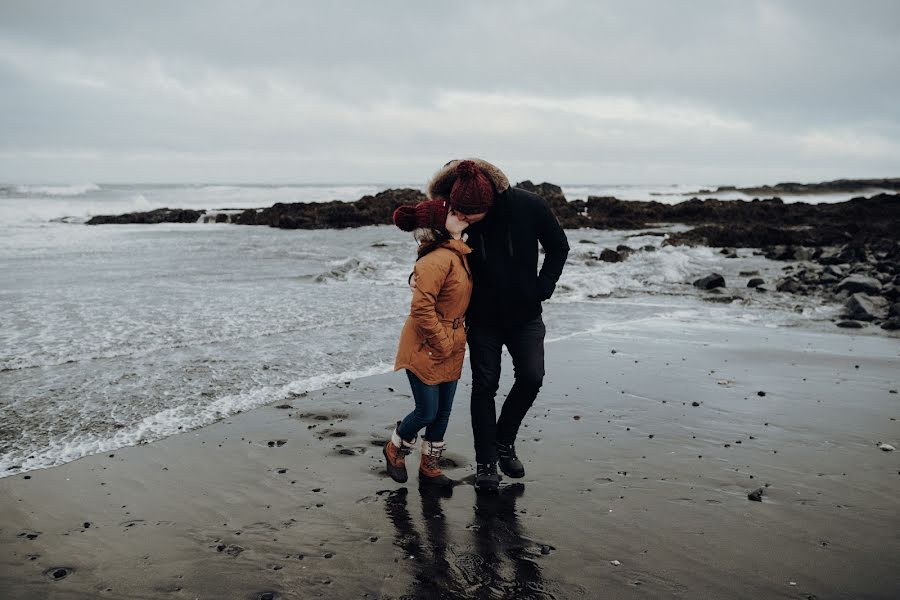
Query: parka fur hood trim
[[442, 182]]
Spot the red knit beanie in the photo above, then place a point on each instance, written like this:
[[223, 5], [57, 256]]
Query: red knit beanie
[[431, 214], [472, 191]]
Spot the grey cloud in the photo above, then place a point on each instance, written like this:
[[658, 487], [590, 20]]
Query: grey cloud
[[372, 86]]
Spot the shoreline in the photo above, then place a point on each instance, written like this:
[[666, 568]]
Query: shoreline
[[208, 514]]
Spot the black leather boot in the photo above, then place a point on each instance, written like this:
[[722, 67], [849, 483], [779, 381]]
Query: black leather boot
[[486, 477], [509, 462]]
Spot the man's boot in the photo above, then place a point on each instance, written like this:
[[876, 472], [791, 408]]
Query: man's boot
[[395, 451], [509, 462], [486, 477], [429, 468]]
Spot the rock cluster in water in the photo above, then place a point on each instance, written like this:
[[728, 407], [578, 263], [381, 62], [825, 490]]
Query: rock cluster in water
[[848, 251]]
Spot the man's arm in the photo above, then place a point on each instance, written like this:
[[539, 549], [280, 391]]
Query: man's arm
[[556, 250]]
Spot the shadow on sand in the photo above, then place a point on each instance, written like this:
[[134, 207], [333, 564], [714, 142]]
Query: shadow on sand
[[489, 558]]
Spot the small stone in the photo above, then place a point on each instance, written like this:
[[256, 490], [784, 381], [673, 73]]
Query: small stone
[[886, 447], [756, 495], [760, 394], [695, 403], [710, 282], [850, 324], [615, 563]]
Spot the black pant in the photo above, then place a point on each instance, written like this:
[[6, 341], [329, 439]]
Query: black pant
[[525, 343]]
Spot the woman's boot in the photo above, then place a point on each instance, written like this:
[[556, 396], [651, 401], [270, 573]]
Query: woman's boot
[[429, 470], [395, 451]]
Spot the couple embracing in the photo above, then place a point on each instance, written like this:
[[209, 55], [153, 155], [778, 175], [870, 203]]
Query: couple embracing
[[486, 290]]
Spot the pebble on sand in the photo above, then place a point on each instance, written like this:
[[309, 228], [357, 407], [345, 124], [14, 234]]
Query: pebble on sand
[[615, 563], [756, 495], [886, 447]]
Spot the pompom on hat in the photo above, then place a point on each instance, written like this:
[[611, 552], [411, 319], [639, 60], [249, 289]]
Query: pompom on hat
[[431, 214], [472, 192]]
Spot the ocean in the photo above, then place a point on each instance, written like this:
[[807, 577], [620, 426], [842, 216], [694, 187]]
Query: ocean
[[118, 335]]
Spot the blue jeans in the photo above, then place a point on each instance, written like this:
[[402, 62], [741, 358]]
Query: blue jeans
[[433, 406]]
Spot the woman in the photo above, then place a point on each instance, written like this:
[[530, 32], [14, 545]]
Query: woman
[[433, 341]]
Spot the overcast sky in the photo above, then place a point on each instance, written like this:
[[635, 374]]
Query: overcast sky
[[382, 91]]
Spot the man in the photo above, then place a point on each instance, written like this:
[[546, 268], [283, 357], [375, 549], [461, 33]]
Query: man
[[505, 226]]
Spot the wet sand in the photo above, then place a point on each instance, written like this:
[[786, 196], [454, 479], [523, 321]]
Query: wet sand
[[621, 466]]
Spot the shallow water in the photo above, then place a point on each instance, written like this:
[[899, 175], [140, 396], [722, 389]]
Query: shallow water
[[118, 335]]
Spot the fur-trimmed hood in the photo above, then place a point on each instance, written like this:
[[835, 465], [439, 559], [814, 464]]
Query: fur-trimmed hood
[[442, 182]]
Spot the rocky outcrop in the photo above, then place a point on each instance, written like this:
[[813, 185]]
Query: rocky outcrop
[[368, 210], [160, 215], [839, 186]]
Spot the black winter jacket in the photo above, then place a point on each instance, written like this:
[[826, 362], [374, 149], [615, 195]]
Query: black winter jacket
[[508, 287]]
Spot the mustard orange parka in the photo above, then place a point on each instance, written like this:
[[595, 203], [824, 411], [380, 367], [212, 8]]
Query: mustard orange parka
[[433, 340]]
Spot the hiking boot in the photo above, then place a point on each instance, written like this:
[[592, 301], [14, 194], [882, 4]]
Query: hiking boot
[[429, 468], [486, 477], [509, 462], [395, 451]]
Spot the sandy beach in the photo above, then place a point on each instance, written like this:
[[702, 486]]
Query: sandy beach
[[631, 491]]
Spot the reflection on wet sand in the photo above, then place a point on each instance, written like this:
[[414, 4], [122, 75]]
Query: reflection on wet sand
[[488, 558]]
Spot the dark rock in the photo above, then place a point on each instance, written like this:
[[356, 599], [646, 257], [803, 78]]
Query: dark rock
[[857, 283], [891, 324], [368, 210], [609, 255], [834, 270], [748, 273], [829, 187], [649, 248], [864, 308], [756, 495], [894, 310], [755, 282], [849, 324], [721, 299], [789, 285], [160, 215], [711, 281]]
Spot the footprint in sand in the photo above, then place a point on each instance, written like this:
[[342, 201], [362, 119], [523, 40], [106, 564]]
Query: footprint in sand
[[57, 573]]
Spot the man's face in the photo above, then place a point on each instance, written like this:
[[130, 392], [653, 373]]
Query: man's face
[[473, 218]]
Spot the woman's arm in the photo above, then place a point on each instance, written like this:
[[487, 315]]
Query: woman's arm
[[430, 275]]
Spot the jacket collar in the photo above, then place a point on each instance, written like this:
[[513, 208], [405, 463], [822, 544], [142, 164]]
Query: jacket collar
[[458, 246]]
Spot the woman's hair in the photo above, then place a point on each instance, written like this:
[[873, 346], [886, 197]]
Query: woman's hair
[[429, 239]]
